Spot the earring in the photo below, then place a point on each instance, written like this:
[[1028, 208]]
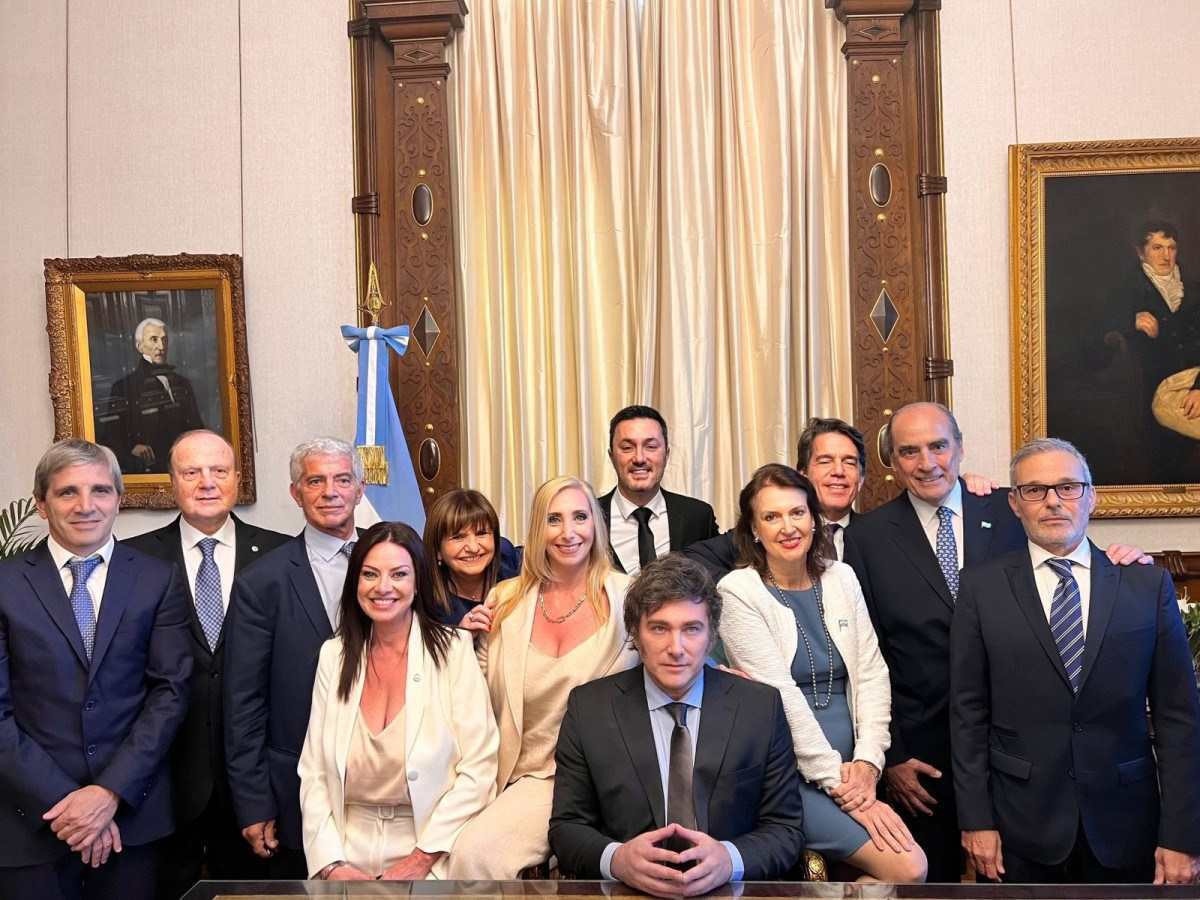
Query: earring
[[757, 539]]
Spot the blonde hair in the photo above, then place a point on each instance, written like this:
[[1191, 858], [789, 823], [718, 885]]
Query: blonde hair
[[535, 567]]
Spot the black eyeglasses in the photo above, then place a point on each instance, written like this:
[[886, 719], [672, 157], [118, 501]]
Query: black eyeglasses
[[1067, 490]]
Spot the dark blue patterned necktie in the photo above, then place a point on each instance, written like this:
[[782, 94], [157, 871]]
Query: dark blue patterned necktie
[[1066, 620], [209, 606], [81, 600], [947, 549]]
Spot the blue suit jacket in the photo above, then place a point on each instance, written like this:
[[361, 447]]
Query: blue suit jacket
[[273, 635], [65, 723], [1032, 760]]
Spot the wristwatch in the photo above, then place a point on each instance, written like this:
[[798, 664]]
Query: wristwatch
[[325, 872]]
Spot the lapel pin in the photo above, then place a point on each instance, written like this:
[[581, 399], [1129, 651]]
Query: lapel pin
[[985, 524], [843, 624]]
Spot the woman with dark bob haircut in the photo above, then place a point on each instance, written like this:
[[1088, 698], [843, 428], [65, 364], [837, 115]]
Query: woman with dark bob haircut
[[795, 618], [462, 537], [401, 746]]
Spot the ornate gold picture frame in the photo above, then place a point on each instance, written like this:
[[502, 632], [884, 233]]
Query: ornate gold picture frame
[[1106, 310], [143, 348]]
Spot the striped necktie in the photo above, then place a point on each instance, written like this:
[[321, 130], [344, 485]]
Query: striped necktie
[[1066, 620]]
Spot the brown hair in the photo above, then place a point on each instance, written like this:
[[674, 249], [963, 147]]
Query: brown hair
[[750, 552], [448, 515], [669, 579]]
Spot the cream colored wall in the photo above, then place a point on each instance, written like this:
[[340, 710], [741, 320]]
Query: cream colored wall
[[167, 126], [1049, 71]]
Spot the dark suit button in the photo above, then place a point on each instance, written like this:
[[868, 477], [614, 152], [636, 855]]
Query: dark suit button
[[1077, 727], [89, 706], [20, 812], [91, 750], [1071, 774]]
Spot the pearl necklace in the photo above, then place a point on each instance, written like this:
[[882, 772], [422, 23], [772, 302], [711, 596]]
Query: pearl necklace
[[812, 662], [558, 620]]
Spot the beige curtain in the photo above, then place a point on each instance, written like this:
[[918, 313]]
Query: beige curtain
[[664, 225]]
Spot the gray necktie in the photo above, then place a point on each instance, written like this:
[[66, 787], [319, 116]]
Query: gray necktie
[[681, 805]]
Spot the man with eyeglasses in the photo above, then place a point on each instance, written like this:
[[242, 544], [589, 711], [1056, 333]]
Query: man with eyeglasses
[[209, 545], [1056, 654]]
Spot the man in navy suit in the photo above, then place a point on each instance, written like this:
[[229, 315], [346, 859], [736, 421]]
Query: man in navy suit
[[907, 555], [1055, 655], [644, 521], [210, 545], [94, 666], [283, 608], [671, 777]]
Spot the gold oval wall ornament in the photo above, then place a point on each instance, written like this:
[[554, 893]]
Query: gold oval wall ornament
[[429, 459], [422, 204], [880, 183]]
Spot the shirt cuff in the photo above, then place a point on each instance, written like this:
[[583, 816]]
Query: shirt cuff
[[739, 869], [606, 861]]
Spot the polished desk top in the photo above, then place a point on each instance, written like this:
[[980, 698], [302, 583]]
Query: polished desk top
[[480, 890]]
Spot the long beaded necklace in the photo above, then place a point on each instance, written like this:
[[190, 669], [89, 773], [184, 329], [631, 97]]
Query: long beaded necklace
[[812, 661], [558, 620]]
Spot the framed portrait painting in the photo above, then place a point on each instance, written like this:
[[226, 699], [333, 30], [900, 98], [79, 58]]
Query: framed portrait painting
[[1106, 314], [144, 348]]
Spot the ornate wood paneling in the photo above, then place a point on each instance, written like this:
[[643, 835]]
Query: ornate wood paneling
[[404, 214], [897, 235], [1184, 569]]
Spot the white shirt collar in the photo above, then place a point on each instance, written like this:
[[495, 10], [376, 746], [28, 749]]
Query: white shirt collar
[[1080, 556], [927, 512], [657, 504], [841, 523], [657, 698], [61, 555], [190, 535], [325, 546]]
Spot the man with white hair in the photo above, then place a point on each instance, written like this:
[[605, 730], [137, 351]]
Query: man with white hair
[[283, 609], [153, 404]]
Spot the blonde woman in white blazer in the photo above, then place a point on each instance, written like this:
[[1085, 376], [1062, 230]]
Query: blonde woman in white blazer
[[401, 746], [559, 624], [795, 618]]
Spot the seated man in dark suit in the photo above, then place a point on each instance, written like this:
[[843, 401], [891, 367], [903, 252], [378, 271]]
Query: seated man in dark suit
[[1056, 654], [644, 521], [283, 608], [94, 667], [156, 403], [671, 777], [210, 545]]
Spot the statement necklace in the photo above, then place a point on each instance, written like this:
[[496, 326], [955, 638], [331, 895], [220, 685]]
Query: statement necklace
[[558, 620], [812, 662]]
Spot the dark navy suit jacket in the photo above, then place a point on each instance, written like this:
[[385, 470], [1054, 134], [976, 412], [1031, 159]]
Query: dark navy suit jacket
[[1033, 760], [65, 723], [273, 635]]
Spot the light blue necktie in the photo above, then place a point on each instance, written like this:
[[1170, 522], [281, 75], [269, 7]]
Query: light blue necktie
[[1066, 620], [81, 600], [209, 606], [947, 549]]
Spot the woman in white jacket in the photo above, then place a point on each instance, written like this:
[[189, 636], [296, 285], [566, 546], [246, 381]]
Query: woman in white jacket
[[401, 746], [795, 619]]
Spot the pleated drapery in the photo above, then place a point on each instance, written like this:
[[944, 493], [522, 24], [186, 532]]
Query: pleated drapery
[[651, 208]]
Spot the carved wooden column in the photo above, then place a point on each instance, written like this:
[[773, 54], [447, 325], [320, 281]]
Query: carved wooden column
[[404, 215], [897, 224]]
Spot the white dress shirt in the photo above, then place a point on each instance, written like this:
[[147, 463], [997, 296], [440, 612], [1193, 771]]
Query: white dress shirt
[[662, 725], [329, 566], [928, 516], [623, 531], [95, 583], [1047, 578], [224, 554]]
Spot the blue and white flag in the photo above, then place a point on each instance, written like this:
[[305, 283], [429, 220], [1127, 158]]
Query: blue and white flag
[[391, 493]]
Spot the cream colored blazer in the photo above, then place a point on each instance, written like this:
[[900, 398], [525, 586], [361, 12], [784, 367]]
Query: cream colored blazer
[[450, 750], [759, 634], [502, 656]]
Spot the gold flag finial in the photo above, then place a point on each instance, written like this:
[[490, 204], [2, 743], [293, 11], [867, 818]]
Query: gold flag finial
[[374, 302]]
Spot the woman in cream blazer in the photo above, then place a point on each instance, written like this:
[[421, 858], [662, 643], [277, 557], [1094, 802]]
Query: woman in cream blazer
[[557, 625], [790, 616], [450, 739]]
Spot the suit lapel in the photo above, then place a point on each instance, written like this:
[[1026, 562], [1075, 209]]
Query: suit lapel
[[605, 501], [118, 588], [304, 583], [977, 528], [47, 585], [675, 520], [1024, 589], [347, 715], [172, 538], [716, 724], [909, 535], [633, 721], [1106, 582], [516, 631]]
